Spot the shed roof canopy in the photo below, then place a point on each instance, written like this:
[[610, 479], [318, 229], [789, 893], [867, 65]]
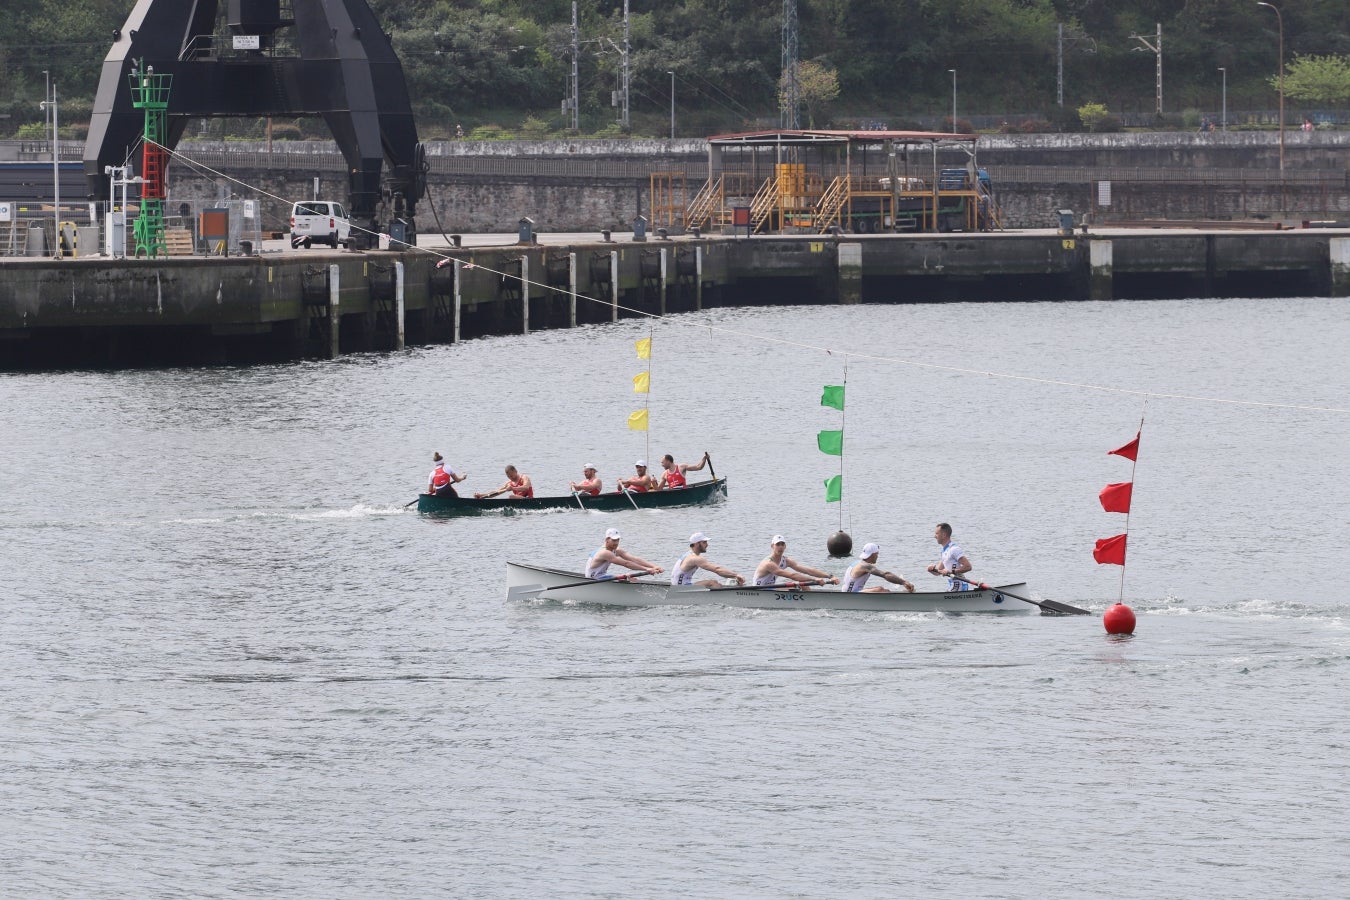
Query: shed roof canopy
[[826, 136]]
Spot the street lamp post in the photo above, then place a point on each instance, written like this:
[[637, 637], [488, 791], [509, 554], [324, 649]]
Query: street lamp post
[[1280, 19], [672, 103], [56, 172], [1223, 116], [953, 71]]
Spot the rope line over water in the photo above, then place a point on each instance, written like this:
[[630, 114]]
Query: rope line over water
[[679, 320]]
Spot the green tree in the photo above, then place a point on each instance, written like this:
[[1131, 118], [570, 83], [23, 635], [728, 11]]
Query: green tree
[[818, 86], [1093, 115], [1321, 79]]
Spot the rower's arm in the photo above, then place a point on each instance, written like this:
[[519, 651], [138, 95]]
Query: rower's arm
[[815, 573], [897, 579], [722, 571], [688, 467], [636, 563]]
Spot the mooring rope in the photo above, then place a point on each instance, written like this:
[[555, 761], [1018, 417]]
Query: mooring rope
[[749, 335]]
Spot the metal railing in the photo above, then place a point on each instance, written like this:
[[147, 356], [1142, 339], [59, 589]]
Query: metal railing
[[1211, 176], [616, 169]]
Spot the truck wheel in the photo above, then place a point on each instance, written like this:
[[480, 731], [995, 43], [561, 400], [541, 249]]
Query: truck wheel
[[333, 241]]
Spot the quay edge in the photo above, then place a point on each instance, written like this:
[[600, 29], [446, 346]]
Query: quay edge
[[98, 312]]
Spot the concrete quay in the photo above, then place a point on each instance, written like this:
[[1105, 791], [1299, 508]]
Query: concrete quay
[[283, 304]]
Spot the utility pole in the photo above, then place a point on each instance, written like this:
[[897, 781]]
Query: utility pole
[[954, 128], [1156, 47], [623, 120], [571, 104], [1059, 69], [1076, 36], [790, 113], [50, 104], [1279, 17], [1223, 116]]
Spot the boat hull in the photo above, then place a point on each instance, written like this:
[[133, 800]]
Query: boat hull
[[693, 495], [524, 582]]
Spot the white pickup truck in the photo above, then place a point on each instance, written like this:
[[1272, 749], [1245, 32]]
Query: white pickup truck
[[322, 221]]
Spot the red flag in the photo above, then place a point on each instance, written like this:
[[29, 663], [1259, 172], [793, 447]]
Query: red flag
[[1129, 451], [1110, 551], [1116, 497]]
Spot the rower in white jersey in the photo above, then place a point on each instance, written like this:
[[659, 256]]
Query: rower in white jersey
[[688, 565], [777, 565], [609, 554], [953, 561], [855, 579]]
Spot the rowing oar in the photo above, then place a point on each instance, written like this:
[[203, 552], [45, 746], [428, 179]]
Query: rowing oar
[[577, 496], [629, 494], [1062, 609], [559, 587], [411, 502], [711, 470]]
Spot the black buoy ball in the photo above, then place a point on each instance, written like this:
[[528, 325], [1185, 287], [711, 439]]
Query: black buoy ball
[[839, 544]]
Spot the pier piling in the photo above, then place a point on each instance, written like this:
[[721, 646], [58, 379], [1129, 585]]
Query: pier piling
[[333, 349], [850, 274], [1101, 270], [1338, 249]]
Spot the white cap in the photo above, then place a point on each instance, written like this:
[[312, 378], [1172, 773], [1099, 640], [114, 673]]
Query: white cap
[[612, 533], [641, 462], [868, 550], [590, 466], [778, 539], [697, 537]]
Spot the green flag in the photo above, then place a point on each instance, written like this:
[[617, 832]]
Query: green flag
[[833, 396], [831, 442], [834, 488]]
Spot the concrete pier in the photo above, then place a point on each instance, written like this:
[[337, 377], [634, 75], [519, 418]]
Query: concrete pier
[[320, 303], [850, 265], [1100, 269], [1338, 253]]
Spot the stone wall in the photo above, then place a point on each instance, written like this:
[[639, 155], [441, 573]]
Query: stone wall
[[1037, 205], [495, 202]]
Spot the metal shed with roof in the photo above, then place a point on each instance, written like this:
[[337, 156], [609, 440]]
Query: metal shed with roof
[[810, 181]]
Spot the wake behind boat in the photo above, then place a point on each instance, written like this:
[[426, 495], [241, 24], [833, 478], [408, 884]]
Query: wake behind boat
[[695, 494], [526, 582]]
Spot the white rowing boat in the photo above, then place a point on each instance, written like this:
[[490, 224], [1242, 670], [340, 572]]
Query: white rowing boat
[[524, 582]]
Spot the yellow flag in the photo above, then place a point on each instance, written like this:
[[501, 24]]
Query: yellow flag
[[637, 421], [641, 382], [644, 348]]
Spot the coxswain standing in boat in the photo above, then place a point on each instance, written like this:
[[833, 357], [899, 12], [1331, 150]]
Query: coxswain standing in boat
[[597, 566], [519, 485], [776, 565], [855, 579], [640, 483], [443, 478], [953, 561], [589, 484], [689, 564], [673, 474]]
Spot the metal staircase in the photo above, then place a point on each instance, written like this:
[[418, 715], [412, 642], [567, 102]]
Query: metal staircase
[[763, 203], [831, 204], [707, 202]]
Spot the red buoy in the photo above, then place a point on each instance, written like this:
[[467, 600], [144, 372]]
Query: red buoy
[[1119, 619]]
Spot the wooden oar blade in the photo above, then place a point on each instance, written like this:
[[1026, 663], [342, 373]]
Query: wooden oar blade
[[1062, 609]]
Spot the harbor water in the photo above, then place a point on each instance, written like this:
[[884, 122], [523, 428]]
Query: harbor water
[[235, 663]]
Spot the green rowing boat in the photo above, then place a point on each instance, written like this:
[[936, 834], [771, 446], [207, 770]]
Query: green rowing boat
[[693, 495]]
